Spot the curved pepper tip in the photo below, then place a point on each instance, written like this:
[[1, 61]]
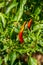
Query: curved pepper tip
[[29, 23]]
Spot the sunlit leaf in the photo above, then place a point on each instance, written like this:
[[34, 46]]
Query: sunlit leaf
[[2, 4], [20, 63], [3, 20], [32, 61], [20, 11], [10, 7], [12, 57], [37, 11]]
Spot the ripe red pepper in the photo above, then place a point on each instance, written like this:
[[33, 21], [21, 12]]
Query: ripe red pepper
[[20, 37], [29, 23], [21, 33]]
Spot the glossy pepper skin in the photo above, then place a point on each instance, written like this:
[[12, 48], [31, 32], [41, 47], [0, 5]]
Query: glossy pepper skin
[[29, 23], [21, 33]]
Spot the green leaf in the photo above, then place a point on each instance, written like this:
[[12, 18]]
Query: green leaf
[[6, 58], [12, 57], [20, 10], [1, 4], [41, 43], [32, 61], [3, 19], [10, 7], [37, 27], [37, 11], [0, 61], [19, 63]]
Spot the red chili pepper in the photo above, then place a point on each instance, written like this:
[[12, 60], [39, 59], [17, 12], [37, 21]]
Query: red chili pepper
[[29, 23], [20, 37], [21, 33]]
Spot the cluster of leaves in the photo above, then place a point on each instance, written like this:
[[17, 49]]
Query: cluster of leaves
[[12, 15]]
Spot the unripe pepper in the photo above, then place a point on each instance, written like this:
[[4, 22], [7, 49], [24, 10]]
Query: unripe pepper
[[21, 33], [29, 23]]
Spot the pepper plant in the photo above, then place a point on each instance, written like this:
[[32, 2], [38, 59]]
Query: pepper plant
[[17, 48]]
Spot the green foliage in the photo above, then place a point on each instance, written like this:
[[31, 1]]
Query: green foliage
[[0, 61], [12, 57], [1, 4], [32, 61], [3, 20], [11, 6], [13, 13], [20, 11]]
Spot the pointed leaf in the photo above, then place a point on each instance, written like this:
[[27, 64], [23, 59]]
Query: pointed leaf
[[3, 19], [10, 7], [32, 61], [20, 11], [12, 57]]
